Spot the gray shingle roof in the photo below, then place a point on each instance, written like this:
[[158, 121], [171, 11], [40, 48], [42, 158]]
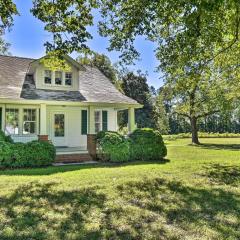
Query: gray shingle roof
[[94, 87]]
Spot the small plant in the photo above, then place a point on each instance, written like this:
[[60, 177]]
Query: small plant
[[147, 144], [113, 147]]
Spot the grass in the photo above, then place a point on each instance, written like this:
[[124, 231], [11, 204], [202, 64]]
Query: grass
[[195, 194]]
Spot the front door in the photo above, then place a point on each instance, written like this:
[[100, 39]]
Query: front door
[[59, 129]]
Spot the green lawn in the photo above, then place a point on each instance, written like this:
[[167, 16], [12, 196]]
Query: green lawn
[[194, 194]]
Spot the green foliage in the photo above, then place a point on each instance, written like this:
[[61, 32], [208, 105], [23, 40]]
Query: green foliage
[[160, 115], [32, 154], [67, 21], [5, 138], [134, 85], [7, 10], [202, 135], [102, 62], [4, 47], [147, 144], [113, 147], [195, 40]]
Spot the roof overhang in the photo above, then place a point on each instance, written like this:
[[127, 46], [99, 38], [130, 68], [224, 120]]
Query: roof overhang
[[117, 106]]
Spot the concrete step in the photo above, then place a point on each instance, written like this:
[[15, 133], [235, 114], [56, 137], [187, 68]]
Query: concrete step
[[73, 158]]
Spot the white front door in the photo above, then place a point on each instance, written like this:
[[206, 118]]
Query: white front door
[[59, 135]]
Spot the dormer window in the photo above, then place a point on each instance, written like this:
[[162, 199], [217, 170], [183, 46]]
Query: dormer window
[[58, 78], [68, 78], [48, 77]]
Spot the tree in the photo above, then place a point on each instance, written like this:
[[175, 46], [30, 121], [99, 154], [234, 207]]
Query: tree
[[160, 115], [7, 11], [4, 47], [192, 36], [102, 62], [135, 86]]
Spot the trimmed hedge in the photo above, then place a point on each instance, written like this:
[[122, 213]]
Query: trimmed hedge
[[112, 147], [32, 154], [142, 144], [147, 144]]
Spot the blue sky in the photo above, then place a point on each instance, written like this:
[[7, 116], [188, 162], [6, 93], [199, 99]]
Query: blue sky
[[27, 37]]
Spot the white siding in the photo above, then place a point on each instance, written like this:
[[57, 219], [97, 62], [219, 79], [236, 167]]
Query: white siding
[[73, 135], [39, 80]]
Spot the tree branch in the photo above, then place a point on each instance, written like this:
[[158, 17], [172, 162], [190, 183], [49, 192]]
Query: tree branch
[[208, 113]]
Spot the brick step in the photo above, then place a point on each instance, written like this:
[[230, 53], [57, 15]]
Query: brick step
[[73, 158]]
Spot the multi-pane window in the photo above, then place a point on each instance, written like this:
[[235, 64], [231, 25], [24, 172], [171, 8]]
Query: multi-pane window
[[68, 78], [59, 122], [29, 121], [48, 77], [58, 78], [12, 121], [97, 117]]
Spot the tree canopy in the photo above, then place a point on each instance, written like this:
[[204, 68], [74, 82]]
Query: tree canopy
[[102, 62]]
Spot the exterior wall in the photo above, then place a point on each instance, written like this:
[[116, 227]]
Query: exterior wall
[[21, 137], [73, 136], [39, 79]]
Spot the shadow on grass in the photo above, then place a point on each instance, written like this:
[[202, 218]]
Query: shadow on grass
[[150, 209], [222, 174], [235, 147], [68, 168], [186, 209]]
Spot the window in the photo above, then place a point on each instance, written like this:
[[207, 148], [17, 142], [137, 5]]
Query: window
[[59, 123], [48, 77], [97, 117], [68, 78], [12, 121], [29, 121], [58, 78]]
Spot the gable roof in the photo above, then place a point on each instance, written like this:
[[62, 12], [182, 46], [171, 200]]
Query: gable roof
[[94, 86]]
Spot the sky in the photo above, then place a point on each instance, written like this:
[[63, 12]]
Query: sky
[[27, 37]]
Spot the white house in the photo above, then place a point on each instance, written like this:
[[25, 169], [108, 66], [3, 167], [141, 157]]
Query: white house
[[64, 107]]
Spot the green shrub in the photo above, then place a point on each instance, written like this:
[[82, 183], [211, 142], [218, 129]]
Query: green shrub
[[147, 144], [32, 154], [5, 138], [112, 147]]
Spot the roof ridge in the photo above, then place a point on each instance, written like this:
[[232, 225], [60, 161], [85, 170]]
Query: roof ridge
[[9, 56]]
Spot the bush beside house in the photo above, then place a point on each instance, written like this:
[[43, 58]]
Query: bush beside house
[[113, 147], [142, 144], [32, 154], [147, 144]]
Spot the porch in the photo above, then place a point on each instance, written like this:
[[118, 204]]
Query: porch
[[71, 128]]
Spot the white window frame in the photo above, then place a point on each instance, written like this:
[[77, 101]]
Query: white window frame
[[30, 121], [20, 118], [48, 84], [100, 120], [55, 77], [65, 78]]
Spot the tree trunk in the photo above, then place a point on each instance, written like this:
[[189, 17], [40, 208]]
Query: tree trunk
[[194, 130]]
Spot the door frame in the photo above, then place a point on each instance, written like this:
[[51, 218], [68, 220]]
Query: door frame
[[52, 120]]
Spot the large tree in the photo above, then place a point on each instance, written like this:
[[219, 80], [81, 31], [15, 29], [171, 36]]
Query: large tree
[[134, 85], [192, 37], [102, 62]]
